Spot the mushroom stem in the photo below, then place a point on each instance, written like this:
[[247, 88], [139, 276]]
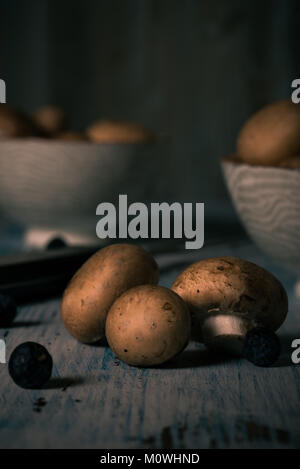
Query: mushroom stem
[[225, 332]]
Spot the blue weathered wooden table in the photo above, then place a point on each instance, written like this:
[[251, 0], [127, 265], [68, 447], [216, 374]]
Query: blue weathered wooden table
[[96, 401]]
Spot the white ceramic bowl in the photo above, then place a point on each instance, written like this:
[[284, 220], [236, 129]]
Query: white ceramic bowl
[[267, 200], [57, 185]]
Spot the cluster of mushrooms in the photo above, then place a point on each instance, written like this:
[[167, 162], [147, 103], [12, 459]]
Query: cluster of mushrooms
[[229, 304], [51, 122]]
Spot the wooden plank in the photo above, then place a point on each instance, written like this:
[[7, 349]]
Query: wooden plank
[[96, 401]]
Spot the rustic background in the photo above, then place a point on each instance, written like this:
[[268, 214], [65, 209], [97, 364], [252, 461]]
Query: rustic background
[[194, 69]]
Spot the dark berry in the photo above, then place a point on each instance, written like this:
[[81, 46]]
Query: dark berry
[[56, 243], [8, 310], [30, 365], [261, 346]]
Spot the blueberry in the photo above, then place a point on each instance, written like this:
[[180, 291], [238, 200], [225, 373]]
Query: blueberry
[[30, 365], [8, 310], [261, 346]]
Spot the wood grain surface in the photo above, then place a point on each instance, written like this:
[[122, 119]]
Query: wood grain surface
[[197, 401]]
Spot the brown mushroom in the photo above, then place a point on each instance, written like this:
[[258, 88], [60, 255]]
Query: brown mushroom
[[228, 297], [51, 119], [148, 325], [271, 135], [110, 131], [15, 124], [103, 278]]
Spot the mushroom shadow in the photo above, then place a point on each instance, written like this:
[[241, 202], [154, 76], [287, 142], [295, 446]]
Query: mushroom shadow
[[100, 343], [64, 382], [199, 358], [196, 359], [17, 324]]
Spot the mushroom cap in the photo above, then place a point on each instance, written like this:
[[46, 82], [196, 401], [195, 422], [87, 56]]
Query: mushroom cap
[[270, 135], [99, 282], [148, 325], [15, 124], [228, 285], [52, 119], [110, 131]]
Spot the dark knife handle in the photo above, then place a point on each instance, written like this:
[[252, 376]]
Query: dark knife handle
[[28, 277]]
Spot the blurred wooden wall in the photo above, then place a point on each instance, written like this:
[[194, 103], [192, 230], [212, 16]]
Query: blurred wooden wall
[[194, 69]]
